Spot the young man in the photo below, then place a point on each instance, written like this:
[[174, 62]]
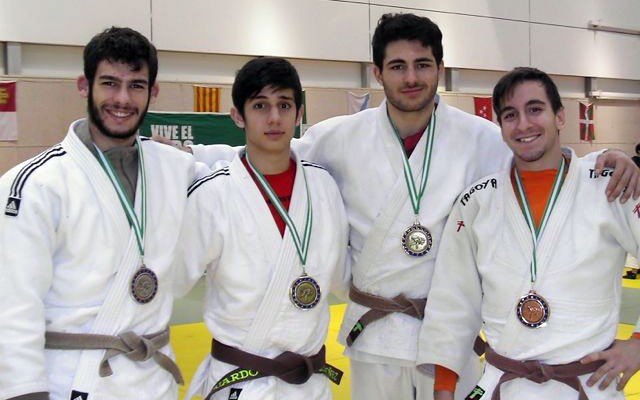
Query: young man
[[400, 168], [272, 237], [544, 284], [87, 241]]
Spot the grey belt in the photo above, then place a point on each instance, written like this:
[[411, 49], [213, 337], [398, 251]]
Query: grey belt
[[132, 345]]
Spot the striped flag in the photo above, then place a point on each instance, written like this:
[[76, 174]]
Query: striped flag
[[206, 99], [8, 115], [587, 130]]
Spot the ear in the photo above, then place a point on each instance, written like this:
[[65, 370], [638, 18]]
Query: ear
[[300, 114], [153, 95], [82, 83], [560, 119], [441, 70], [237, 118], [377, 73]]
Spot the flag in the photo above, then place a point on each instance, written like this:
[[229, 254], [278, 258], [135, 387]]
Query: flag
[[206, 99], [357, 102], [587, 130], [8, 115], [482, 107]]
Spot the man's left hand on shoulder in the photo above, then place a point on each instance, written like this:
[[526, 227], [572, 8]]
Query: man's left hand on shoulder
[[625, 182], [622, 360]]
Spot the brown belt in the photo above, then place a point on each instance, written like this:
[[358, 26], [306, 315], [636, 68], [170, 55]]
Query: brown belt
[[290, 367], [538, 372], [381, 307], [133, 346]]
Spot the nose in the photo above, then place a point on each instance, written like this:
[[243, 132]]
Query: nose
[[523, 122], [274, 115], [122, 95], [410, 76]]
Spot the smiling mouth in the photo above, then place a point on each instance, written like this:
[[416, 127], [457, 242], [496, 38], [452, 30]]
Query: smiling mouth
[[120, 114], [527, 139]]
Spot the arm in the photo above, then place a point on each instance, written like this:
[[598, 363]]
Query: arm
[[625, 182], [26, 272], [453, 311], [622, 360]]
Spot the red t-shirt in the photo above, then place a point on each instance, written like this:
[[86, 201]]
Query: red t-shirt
[[282, 185]]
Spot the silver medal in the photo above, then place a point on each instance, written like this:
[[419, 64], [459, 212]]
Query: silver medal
[[144, 285], [417, 240]]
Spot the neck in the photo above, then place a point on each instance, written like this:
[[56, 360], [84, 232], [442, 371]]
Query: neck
[[269, 163], [105, 143], [551, 160], [410, 122]]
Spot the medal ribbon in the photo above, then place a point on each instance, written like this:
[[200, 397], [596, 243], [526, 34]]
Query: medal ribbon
[[137, 224], [302, 246], [536, 232], [414, 193]]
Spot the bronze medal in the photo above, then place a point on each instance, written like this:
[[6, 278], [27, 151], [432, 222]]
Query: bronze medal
[[144, 285], [305, 292], [533, 310], [416, 240]]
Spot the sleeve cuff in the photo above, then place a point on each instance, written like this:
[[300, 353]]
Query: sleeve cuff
[[445, 379]]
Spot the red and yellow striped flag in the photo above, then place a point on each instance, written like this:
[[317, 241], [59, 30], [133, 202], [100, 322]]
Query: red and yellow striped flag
[[206, 99]]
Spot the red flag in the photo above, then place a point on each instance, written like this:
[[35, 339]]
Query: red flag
[[587, 130], [8, 116], [483, 107], [206, 99]]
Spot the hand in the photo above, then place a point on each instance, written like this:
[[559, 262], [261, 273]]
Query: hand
[[622, 360], [167, 141], [625, 182], [442, 395]]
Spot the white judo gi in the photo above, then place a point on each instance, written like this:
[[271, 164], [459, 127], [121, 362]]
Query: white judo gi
[[483, 269], [363, 155], [67, 256], [250, 268]]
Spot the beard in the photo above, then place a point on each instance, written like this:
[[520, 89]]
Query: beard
[[94, 117], [406, 106]]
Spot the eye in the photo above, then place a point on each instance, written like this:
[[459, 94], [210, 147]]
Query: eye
[[258, 106], [397, 67], [423, 65], [535, 110], [138, 86], [286, 106], [508, 116], [108, 83]]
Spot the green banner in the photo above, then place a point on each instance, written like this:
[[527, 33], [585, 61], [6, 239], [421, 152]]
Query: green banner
[[189, 128]]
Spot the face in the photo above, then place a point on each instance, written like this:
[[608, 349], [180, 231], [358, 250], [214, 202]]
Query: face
[[530, 127], [270, 119], [117, 101], [409, 76]]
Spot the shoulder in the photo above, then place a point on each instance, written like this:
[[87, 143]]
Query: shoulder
[[39, 171], [208, 181], [483, 189], [164, 152], [344, 123]]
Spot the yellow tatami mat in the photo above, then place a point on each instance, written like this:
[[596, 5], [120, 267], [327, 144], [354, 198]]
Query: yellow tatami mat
[[191, 343]]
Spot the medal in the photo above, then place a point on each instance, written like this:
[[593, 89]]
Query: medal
[[144, 285], [533, 310], [416, 240], [305, 292]]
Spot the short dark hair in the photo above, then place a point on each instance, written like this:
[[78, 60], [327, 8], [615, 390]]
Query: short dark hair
[[260, 73], [507, 84], [123, 45], [394, 27], [638, 148]]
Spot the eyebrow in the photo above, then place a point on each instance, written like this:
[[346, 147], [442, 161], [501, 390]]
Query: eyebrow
[[115, 78], [262, 97], [400, 60]]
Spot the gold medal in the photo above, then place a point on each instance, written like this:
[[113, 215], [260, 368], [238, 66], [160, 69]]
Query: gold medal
[[417, 240], [305, 292], [144, 285], [533, 310]]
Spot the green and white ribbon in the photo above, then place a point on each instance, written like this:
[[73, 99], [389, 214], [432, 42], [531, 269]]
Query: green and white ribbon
[[415, 194], [536, 232], [138, 224], [302, 245]]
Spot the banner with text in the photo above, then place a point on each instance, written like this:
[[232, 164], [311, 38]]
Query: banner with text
[[187, 128]]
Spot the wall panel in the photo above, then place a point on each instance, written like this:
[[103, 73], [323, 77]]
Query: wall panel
[[507, 9], [475, 42], [69, 22], [317, 29], [571, 51], [618, 13]]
